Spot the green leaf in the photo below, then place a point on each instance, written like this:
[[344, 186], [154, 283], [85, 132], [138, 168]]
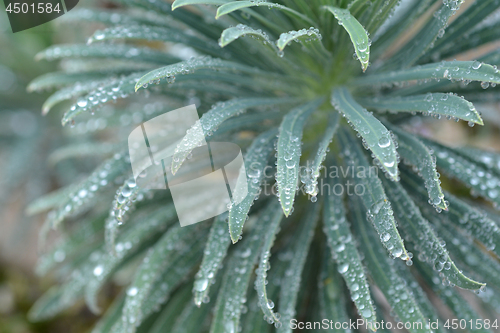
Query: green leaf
[[232, 6], [61, 79], [379, 211], [180, 3], [114, 51], [426, 307], [330, 293], [312, 171], [304, 36], [192, 316], [151, 33], [466, 252], [289, 151], [385, 276], [129, 242], [231, 34], [252, 321], [115, 89], [184, 264], [256, 160], [430, 249], [423, 41], [161, 257], [415, 153], [468, 20], [344, 252], [273, 226], [458, 305], [86, 235], [290, 284], [87, 192], [464, 71], [380, 12], [433, 104], [479, 179], [237, 277], [187, 67], [375, 136], [213, 118], [357, 33], [473, 221], [214, 253]]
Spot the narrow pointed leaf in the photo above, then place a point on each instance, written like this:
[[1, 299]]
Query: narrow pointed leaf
[[479, 179], [445, 70], [115, 89], [466, 252], [86, 193], [415, 153], [74, 91], [357, 33], [188, 66], [114, 51], [473, 221], [212, 119], [432, 104], [180, 3], [215, 251], [151, 33], [231, 34], [255, 166], [303, 36], [344, 252], [289, 151], [273, 227], [431, 250], [310, 179], [457, 304], [376, 137], [61, 79], [378, 207]]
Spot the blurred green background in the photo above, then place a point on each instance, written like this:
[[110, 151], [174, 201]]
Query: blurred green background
[[26, 140]]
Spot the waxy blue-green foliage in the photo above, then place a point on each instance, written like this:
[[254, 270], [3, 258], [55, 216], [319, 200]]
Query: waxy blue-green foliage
[[274, 77]]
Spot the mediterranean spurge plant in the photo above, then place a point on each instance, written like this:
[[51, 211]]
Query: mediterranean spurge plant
[[274, 77]]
